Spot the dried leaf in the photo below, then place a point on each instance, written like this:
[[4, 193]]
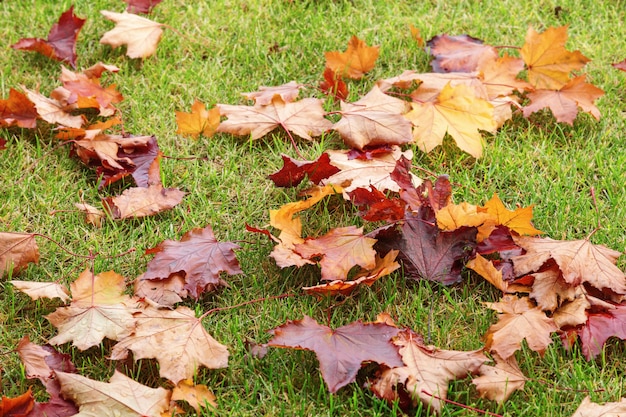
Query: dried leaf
[[199, 121], [140, 35], [17, 110], [497, 383], [142, 201], [355, 61], [196, 395], [37, 290], [460, 53], [590, 409], [287, 92], [17, 250]]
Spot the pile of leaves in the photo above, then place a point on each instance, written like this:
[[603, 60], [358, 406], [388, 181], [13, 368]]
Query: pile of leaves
[[571, 288]]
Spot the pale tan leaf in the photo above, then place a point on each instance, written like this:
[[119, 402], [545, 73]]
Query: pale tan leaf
[[590, 409], [196, 395], [143, 201], [52, 111], [140, 35], [572, 313], [37, 290], [288, 92], [92, 214], [17, 250], [497, 383]]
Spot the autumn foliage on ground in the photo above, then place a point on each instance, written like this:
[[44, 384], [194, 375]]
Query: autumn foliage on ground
[[549, 287]]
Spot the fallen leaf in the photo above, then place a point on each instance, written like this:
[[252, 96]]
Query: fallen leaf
[[487, 270], [460, 53], [20, 406], [17, 110], [376, 119], [620, 65], [198, 256], [610, 409], [199, 121], [17, 250], [342, 351], [176, 339], [293, 172], [518, 220], [549, 63], [458, 112], [549, 289], [165, 292], [519, 320], [497, 383], [564, 102], [98, 309], [142, 201], [304, 117], [355, 61], [92, 214], [61, 42], [333, 85], [141, 6], [196, 395], [52, 111], [499, 75], [37, 290], [375, 206], [288, 93], [600, 327], [140, 35], [415, 34], [121, 396]]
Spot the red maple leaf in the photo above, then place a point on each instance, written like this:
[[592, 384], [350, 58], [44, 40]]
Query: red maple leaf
[[141, 6], [61, 42], [17, 110], [600, 327], [199, 256], [333, 85], [375, 206], [340, 352], [293, 172]]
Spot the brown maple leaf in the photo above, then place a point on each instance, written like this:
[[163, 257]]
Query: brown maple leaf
[[458, 112], [198, 256], [176, 338], [140, 35], [376, 119], [142, 201], [498, 382], [93, 215], [565, 101], [519, 320], [199, 121], [304, 117], [426, 371], [549, 63], [579, 260], [591, 409], [53, 111], [487, 270], [355, 61], [61, 42], [98, 309], [121, 396], [288, 93], [17, 250], [165, 292], [460, 53], [341, 351], [17, 110]]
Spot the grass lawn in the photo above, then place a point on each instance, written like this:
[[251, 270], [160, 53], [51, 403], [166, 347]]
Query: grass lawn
[[223, 48]]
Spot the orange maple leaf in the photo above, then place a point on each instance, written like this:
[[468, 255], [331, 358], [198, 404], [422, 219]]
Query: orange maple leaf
[[549, 63], [17, 110], [565, 101], [140, 35], [355, 61], [487, 270], [17, 250], [517, 220], [199, 121], [457, 111]]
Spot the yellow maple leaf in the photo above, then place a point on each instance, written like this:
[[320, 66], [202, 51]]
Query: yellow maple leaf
[[517, 220], [199, 121]]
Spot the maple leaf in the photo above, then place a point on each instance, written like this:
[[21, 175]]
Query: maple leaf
[[457, 111], [549, 289], [487, 270], [426, 371], [288, 93], [92, 214], [600, 327], [98, 309], [17, 250], [141, 6], [339, 250], [293, 172], [142, 201], [199, 121], [497, 383], [52, 111], [196, 395], [435, 197], [342, 351], [333, 85], [620, 65], [579, 260], [549, 63], [61, 42], [20, 406], [176, 338], [165, 292], [460, 53], [17, 110], [304, 117], [499, 75], [37, 290], [198, 256], [358, 173], [376, 119], [455, 216], [140, 35], [375, 206], [517, 220], [564, 102], [141, 159], [519, 320], [591, 409], [355, 61], [121, 396]]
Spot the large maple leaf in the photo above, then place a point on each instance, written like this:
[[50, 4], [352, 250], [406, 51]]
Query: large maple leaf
[[355, 61], [565, 101], [176, 338], [427, 371], [549, 63], [98, 309], [17, 110], [17, 250], [121, 397], [342, 351], [61, 42], [579, 260], [340, 250], [519, 320], [376, 119], [304, 117], [140, 35], [458, 112], [198, 256]]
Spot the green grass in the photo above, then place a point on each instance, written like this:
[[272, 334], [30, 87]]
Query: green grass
[[222, 50]]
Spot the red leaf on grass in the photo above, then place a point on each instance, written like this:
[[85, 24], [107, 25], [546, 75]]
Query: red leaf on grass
[[293, 172], [375, 206], [333, 85], [199, 256], [61, 42], [141, 6], [17, 110], [340, 352], [20, 406], [620, 65]]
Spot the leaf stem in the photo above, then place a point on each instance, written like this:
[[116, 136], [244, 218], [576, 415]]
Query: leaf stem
[[467, 407], [256, 300]]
